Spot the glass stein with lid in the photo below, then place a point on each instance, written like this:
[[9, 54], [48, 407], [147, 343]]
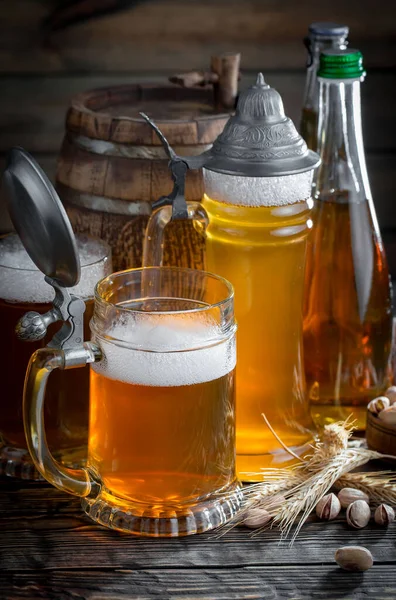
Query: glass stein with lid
[[256, 215]]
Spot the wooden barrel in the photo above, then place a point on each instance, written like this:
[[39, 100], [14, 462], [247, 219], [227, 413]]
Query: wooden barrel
[[112, 165]]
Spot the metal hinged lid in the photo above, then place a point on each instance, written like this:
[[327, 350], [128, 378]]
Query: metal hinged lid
[[260, 140], [46, 233], [40, 219]]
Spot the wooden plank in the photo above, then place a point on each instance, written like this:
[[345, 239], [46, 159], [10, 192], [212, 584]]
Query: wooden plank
[[177, 35], [33, 109], [43, 528], [284, 582]]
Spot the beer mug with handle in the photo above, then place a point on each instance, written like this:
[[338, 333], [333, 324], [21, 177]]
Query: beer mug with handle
[[255, 215], [161, 450], [32, 307], [23, 289]]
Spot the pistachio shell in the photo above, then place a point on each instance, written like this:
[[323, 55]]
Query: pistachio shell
[[358, 514], [391, 394], [384, 515], [348, 495], [388, 415], [378, 404], [354, 558], [255, 518], [328, 508], [274, 502]]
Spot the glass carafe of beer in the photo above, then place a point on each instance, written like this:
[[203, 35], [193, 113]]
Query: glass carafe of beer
[[256, 214], [161, 452], [348, 320], [23, 289], [321, 36]]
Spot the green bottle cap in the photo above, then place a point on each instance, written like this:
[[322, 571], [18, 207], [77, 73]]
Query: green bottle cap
[[341, 64]]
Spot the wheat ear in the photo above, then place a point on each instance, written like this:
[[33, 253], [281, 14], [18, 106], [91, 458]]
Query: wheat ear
[[304, 497], [379, 486]]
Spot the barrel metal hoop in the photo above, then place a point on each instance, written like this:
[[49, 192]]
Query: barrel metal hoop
[[106, 148], [102, 203]]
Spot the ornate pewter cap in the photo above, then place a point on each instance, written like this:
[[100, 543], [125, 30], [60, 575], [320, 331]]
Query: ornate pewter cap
[[259, 140]]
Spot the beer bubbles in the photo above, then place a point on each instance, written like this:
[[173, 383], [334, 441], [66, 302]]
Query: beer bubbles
[[258, 191], [179, 350]]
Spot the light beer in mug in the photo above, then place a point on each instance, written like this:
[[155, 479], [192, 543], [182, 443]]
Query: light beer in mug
[[161, 426], [161, 452], [23, 289]]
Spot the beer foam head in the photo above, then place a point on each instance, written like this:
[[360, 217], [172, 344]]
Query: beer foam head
[[258, 191], [165, 350], [21, 281]]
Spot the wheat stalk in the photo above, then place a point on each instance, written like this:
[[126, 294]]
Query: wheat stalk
[[303, 499], [379, 486], [290, 495], [274, 481], [305, 484]]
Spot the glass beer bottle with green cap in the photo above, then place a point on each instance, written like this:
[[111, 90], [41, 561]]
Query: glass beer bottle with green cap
[[321, 36], [347, 320]]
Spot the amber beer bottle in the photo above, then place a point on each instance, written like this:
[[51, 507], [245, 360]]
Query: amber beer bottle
[[347, 313], [321, 36]]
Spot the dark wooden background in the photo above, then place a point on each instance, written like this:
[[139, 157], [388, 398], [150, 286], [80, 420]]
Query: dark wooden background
[[40, 70], [47, 549]]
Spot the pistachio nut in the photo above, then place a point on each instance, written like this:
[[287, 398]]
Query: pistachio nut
[[354, 558], [391, 394], [328, 508], [378, 404], [255, 518], [358, 514], [348, 495], [388, 415], [274, 502], [384, 514]]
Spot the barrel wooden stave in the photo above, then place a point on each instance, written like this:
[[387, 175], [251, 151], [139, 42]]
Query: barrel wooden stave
[[112, 165]]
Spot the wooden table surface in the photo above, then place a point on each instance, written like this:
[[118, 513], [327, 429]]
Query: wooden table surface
[[49, 549]]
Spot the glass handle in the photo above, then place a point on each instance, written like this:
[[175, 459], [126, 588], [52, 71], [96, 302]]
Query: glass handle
[[153, 248], [75, 481]]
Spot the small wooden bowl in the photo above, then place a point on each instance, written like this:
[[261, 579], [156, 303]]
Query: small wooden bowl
[[380, 436]]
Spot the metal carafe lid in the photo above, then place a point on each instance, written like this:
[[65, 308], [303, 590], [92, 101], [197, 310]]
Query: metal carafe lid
[[40, 219], [260, 140]]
